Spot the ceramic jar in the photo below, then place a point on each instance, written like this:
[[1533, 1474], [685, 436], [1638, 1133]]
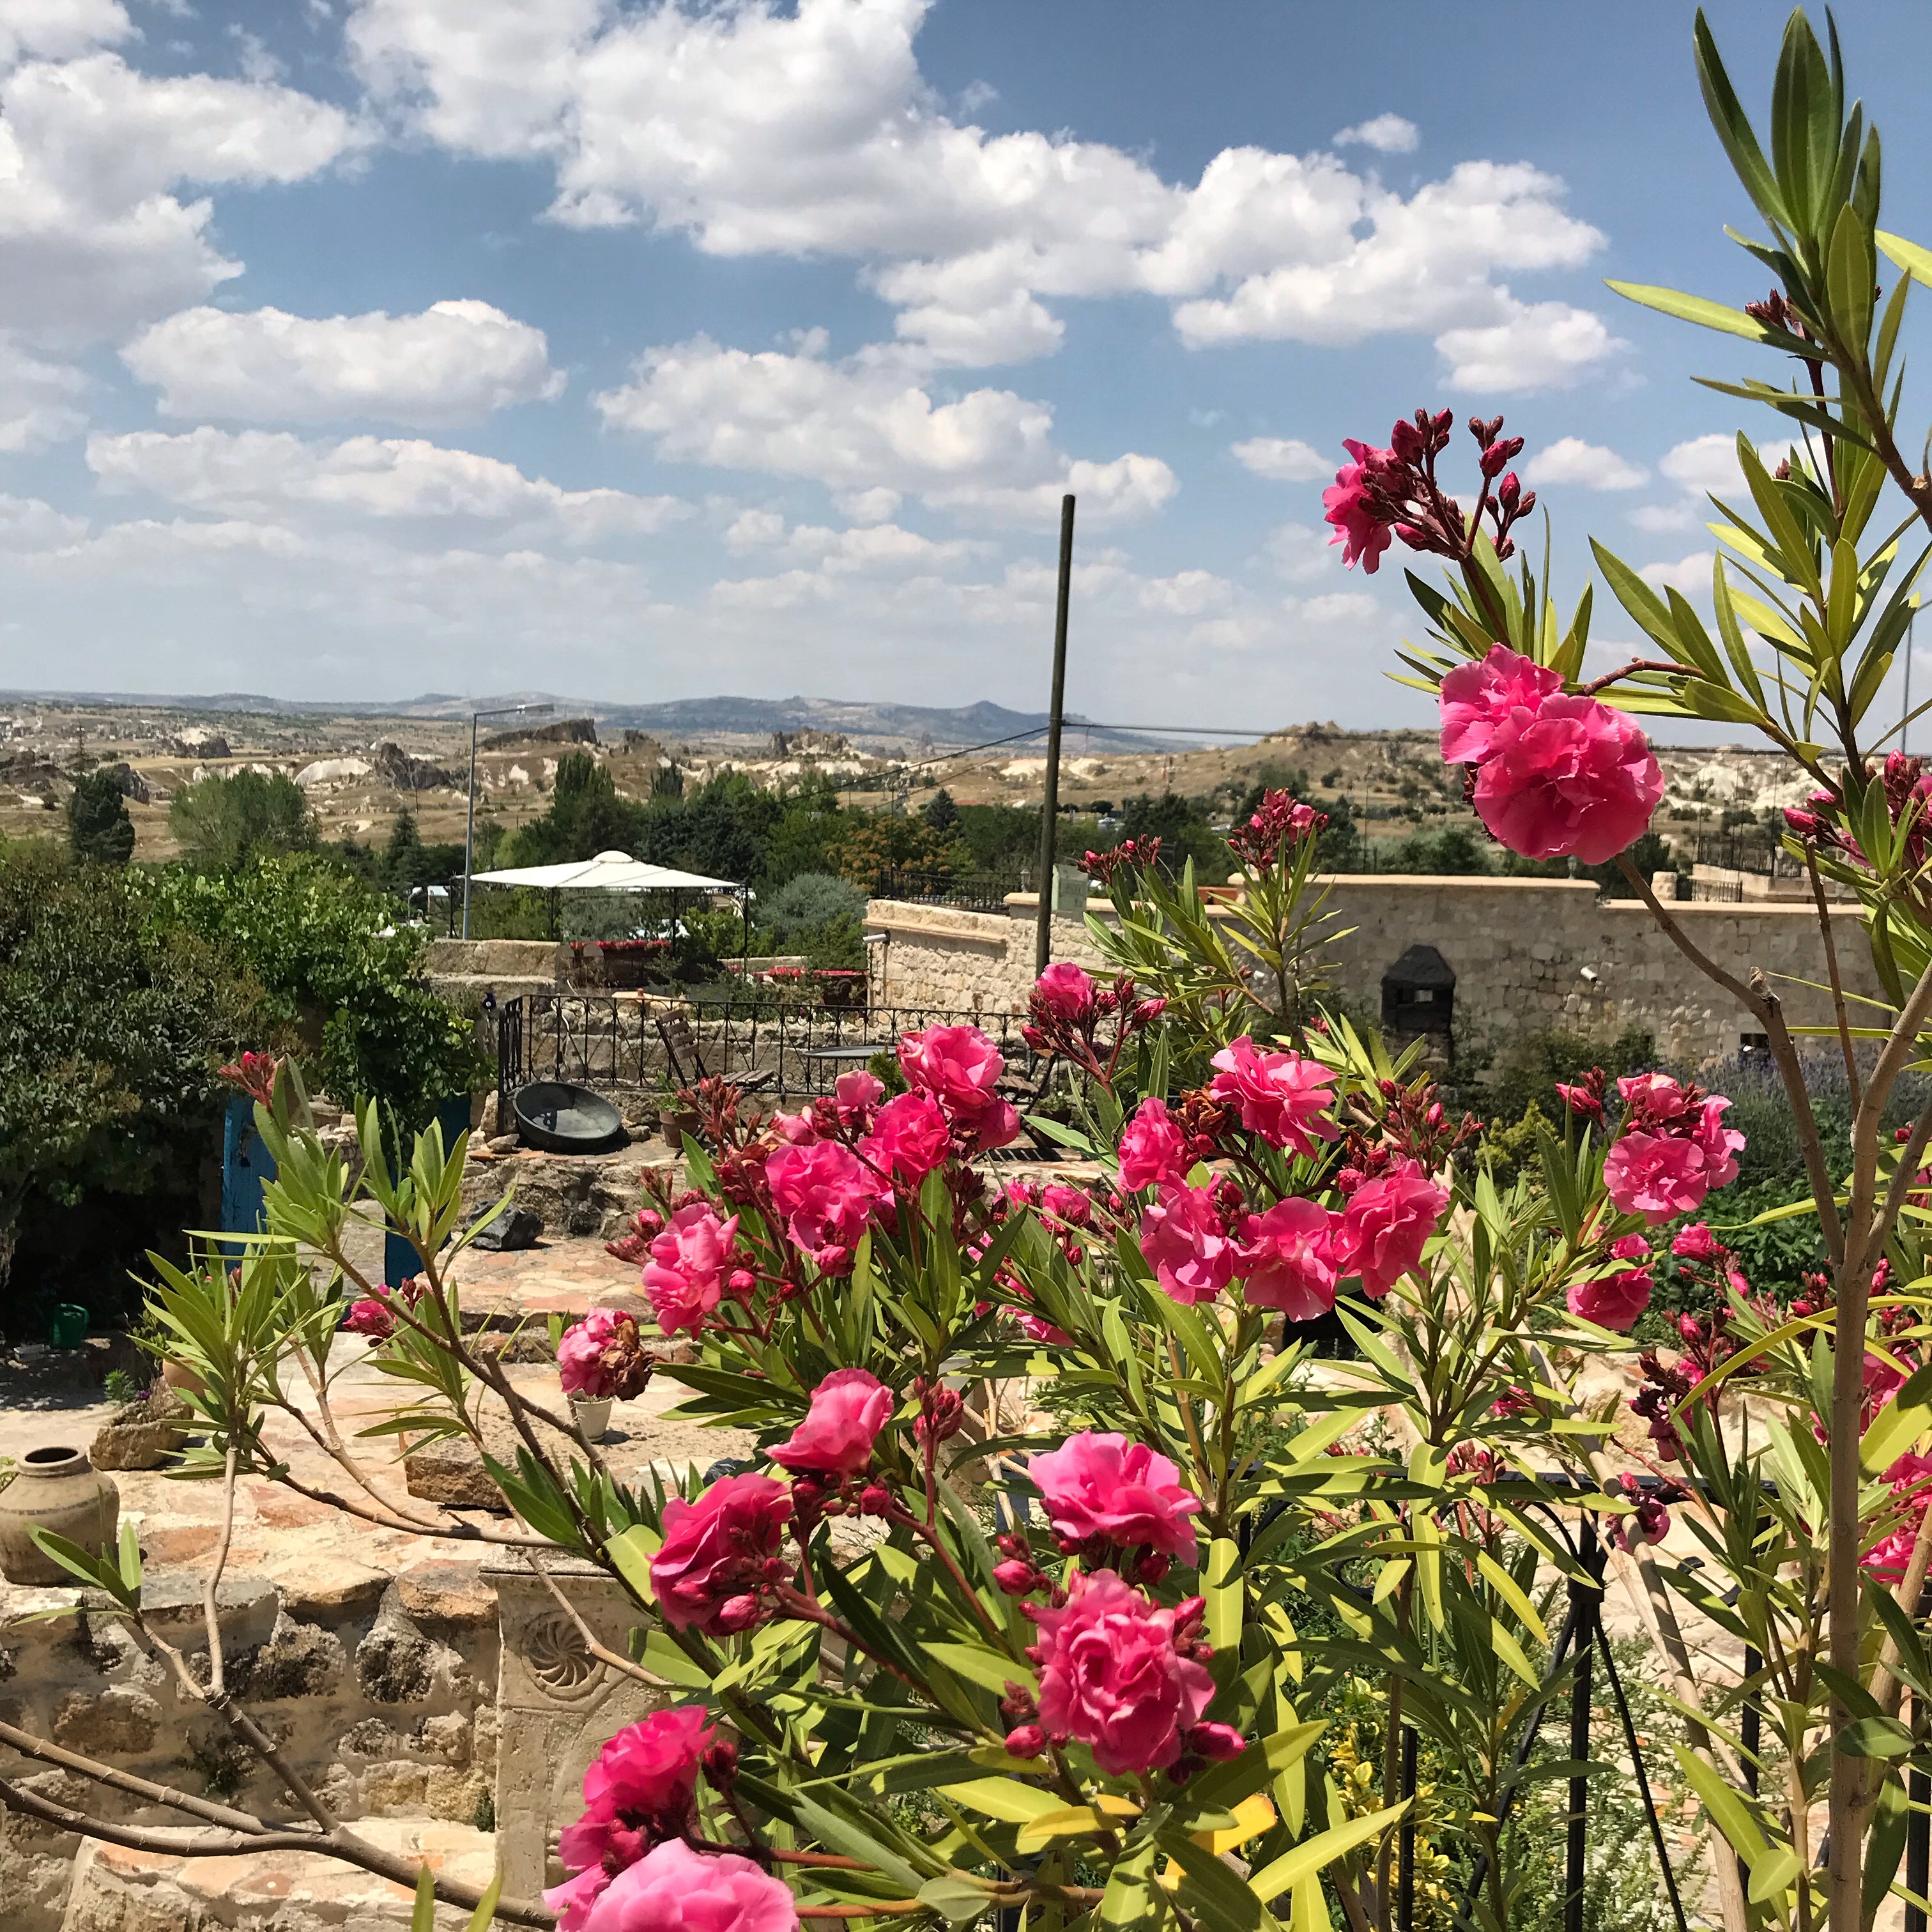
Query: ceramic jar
[[58, 1489], [593, 1414]]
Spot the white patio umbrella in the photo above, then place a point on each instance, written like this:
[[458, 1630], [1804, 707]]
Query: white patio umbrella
[[608, 872]]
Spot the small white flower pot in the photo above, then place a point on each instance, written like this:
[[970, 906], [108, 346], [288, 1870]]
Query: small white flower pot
[[592, 1414]]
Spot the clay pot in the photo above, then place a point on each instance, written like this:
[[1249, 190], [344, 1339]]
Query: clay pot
[[592, 1414], [178, 1377], [57, 1489]]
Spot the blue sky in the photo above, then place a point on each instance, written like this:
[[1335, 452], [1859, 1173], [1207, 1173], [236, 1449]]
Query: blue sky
[[365, 347]]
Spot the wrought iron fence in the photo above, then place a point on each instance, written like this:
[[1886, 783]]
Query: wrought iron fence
[[617, 1043], [972, 891]]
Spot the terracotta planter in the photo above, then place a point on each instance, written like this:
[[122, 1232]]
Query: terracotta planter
[[177, 1377], [592, 1414], [58, 1489]]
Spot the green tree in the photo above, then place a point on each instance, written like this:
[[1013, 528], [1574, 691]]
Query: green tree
[[223, 821], [97, 824], [112, 1026], [327, 951], [940, 812]]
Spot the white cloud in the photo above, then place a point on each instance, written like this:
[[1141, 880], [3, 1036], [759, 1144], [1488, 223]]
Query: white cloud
[[1590, 466], [59, 29], [1689, 575], [1387, 133], [1537, 345], [1702, 467], [456, 362], [867, 424], [812, 132], [1284, 459], [1301, 554], [26, 524], [1188, 593], [1707, 464], [260, 474], [1656, 518], [92, 243], [39, 401]]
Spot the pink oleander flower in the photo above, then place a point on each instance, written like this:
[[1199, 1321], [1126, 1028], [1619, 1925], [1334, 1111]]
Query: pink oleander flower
[[1153, 1150], [853, 1093], [1662, 1176], [1066, 1205], [1182, 1236], [795, 1129], [910, 1138], [1910, 1479], [1112, 1676], [672, 1888], [717, 1552], [1653, 1099], [1064, 991], [1612, 1301], [1362, 536], [826, 1195], [689, 1271], [1380, 1234], [1572, 779], [372, 1316], [1630, 1248], [848, 1409], [959, 1067], [1287, 1259], [1099, 1485], [637, 1792], [1477, 698], [1696, 1243], [1283, 1097], [581, 1361]]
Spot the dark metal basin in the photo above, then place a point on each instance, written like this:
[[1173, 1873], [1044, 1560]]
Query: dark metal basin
[[562, 1119]]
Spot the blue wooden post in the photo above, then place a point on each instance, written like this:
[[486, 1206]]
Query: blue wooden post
[[400, 1260]]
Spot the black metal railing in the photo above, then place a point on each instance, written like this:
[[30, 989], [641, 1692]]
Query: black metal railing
[[971, 892], [1752, 851], [615, 1043]]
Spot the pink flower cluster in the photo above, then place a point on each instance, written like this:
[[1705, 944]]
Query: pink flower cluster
[[1124, 1678], [1672, 1149], [1282, 1097], [1102, 1489], [695, 1263], [640, 1790], [848, 1409], [960, 1068], [602, 1356], [1556, 776], [375, 1315], [1271, 835], [1909, 1479], [636, 1869], [826, 1196], [721, 1556], [1292, 1255]]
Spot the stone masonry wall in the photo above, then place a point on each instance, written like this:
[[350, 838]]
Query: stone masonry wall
[[1527, 953], [381, 1690]]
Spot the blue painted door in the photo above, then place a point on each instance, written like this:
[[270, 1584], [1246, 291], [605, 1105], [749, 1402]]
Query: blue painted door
[[247, 1165]]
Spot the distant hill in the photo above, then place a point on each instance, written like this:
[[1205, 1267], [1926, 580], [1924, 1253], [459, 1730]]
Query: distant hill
[[876, 727]]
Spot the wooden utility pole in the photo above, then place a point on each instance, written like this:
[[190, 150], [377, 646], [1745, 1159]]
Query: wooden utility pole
[[1049, 814]]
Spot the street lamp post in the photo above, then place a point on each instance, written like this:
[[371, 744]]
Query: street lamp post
[[469, 821]]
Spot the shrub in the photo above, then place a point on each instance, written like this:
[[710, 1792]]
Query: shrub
[[112, 1026], [97, 824], [325, 949], [223, 820]]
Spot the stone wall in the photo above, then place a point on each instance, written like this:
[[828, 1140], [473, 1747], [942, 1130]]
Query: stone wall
[[381, 1690], [1527, 953]]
